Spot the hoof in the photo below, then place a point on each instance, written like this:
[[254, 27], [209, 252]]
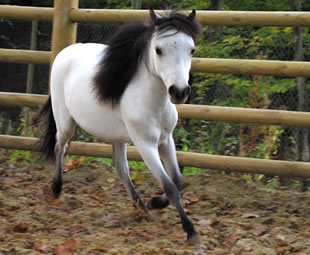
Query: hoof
[[193, 239], [158, 203], [56, 188]]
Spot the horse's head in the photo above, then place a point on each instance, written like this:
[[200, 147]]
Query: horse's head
[[171, 50]]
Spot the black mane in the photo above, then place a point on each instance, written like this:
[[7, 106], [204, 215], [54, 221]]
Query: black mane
[[125, 51]]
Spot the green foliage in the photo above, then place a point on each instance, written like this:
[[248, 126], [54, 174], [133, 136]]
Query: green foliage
[[257, 5], [271, 142], [273, 183], [20, 154], [137, 165], [192, 170]]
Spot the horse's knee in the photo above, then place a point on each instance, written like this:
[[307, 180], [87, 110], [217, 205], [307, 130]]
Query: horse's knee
[[171, 191]]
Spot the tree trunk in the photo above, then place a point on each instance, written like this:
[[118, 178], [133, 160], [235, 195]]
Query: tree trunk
[[136, 4], [301, 134], [217, 4]]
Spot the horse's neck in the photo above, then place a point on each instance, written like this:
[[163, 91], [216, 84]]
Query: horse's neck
[[152, 91]]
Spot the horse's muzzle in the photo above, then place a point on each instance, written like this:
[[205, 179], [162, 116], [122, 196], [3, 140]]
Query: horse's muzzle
[[177, 95]]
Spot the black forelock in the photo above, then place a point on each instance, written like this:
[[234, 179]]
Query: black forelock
[[125, 51], [180, 22]]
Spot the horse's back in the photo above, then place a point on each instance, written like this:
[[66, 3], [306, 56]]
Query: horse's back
[[72, 88], [74, 62]]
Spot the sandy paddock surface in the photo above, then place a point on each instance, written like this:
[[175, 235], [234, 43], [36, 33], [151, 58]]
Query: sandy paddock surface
[[95, 216]]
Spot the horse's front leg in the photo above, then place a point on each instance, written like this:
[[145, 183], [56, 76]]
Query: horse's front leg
[[146, 142], [168, 156], [121, 165]]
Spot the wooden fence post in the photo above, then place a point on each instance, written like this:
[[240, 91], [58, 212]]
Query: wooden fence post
[[64, 30]]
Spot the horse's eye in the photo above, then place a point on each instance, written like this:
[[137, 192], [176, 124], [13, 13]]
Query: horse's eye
[[193, 51], [158, 51]]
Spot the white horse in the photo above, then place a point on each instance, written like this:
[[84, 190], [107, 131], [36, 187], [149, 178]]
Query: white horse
[[125, 92]]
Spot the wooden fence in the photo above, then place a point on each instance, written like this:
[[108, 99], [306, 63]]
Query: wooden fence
[[65, 14]]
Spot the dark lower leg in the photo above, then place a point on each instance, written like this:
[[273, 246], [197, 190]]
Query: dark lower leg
[[57, 180], [173, 195], [137, 201]]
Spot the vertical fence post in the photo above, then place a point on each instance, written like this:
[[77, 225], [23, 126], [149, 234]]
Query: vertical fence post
[[30, 75], [64, 30]]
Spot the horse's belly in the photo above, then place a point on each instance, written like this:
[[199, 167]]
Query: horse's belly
[[99, 120], [105, 127]]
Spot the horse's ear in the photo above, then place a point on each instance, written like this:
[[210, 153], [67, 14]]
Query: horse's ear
[[192, 15], [154, 16]]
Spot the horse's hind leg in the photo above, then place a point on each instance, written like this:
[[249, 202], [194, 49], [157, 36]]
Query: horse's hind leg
[[121, 164], [168, 156], [65, 131]]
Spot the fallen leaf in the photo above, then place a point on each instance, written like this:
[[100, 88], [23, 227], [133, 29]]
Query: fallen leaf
[[97, 201], [186, 203], [3, 212], [87, 191], [11, 182], [250, 216], [231, 239], [43, 247], [194, 199], [73, 163], [148, 237], [20, 228], [108, 187], [68, 247], [111, 179], [112, 224], [259, 230], [205, 223], [175, 237], [62, 232], [282, 244], [77, 229], [215, 223], [54, 201]]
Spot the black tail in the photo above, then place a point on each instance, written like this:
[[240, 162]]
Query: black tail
[[45, 120]]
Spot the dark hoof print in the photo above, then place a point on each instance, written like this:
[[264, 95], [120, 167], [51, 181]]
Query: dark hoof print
[[193, 239], [157, 203], [56, 188]]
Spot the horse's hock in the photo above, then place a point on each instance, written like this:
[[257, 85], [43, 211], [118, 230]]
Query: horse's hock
[[65, 16]]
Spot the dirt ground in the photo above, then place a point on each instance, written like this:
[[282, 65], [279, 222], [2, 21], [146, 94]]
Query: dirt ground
[[95, 216]]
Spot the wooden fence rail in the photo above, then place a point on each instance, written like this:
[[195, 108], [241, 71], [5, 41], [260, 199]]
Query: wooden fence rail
[[196, 112], [233, 164], [214, 18], [26, 13], [25, 56], [208, 65]]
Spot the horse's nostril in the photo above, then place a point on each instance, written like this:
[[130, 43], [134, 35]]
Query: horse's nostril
[[173, 90], [187, 91]]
